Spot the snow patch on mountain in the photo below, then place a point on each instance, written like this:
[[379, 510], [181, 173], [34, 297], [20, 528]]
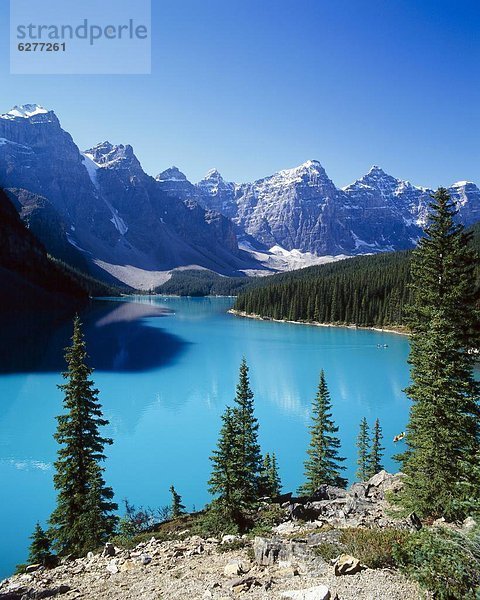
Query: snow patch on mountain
[[74, 243], [278, 258], [91, 167], [24, 111]]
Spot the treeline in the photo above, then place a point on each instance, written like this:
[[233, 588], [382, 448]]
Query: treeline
[[87, 283], [202, 283], [366, 290], [370, 291]]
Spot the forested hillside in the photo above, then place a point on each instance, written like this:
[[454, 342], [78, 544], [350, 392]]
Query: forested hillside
[[202, 283], [366, 291], [30, 278]]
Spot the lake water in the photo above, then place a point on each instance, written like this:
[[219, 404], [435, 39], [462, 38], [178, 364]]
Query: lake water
[[164, 381]]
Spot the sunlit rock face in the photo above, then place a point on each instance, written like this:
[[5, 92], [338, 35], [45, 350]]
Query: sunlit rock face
[[107, 207]]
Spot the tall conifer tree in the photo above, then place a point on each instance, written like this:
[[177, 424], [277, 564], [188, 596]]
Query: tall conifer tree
[[363, 445], [376, 451], [224, 479], [270, 484], [83, 517], [441, 459], [249, 455], [237, 460], [323, 465]]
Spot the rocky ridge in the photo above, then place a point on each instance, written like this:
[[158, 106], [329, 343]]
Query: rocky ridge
[[111, 212]]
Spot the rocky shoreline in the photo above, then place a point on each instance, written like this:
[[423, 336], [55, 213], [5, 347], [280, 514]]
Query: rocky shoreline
[[283, 564], [240, 313]]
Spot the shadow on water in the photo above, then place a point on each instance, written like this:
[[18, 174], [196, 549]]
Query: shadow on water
[[118, 340]]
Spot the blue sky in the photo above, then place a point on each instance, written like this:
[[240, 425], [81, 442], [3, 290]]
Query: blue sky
[[252, 87]]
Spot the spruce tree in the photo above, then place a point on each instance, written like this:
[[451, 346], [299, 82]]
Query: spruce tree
[[323, 465], [443, 434], [376, 451], [237, 460], [270, 484], [273, 477], [40, 548], [177, 509], [248, 449], [223, 482], [363, 446], [82, 519]]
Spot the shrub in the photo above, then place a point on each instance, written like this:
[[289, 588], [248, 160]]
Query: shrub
[[232, 546], [373, 547], [265, 519], [215, 521], [445, 562], [328, 550]]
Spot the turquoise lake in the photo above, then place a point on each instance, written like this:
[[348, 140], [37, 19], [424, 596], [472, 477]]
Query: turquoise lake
[[164, 380]]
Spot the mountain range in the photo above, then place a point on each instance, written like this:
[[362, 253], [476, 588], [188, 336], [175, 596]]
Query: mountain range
[[99, 210]]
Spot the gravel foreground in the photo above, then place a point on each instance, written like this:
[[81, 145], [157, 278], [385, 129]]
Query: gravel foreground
[[195, 569]]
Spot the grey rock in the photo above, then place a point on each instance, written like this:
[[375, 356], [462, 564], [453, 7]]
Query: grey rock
[[270, 551], [319, 592], [106, 207], [301, 208]]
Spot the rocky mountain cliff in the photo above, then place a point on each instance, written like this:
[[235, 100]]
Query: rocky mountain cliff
[[107, 207], [28, 278], [99, 210], [301, 209]]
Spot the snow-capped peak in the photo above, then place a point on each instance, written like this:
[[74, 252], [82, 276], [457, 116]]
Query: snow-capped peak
[[24, 111], [213, 174], [461, 184], [376, 170], [308, 167], [171, 174], [107, 155]]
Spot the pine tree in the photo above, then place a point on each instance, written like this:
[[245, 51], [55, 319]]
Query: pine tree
[[274, 480], [323, 465], [237, 460], [443, 433], [376, 451], [177, 509], [82, 519], [40, 548], [363, 446], [270, 484], [224, 479], [249, 454]]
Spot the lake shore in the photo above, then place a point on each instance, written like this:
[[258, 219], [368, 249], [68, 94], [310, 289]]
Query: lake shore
[[240, 313]]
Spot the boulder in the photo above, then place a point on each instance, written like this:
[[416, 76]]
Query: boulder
[[233, 568], [347, 565], [32, 568], [319, 592], [270, 551], [109, 550], [112, 568], [228, 539], [243, 584]]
